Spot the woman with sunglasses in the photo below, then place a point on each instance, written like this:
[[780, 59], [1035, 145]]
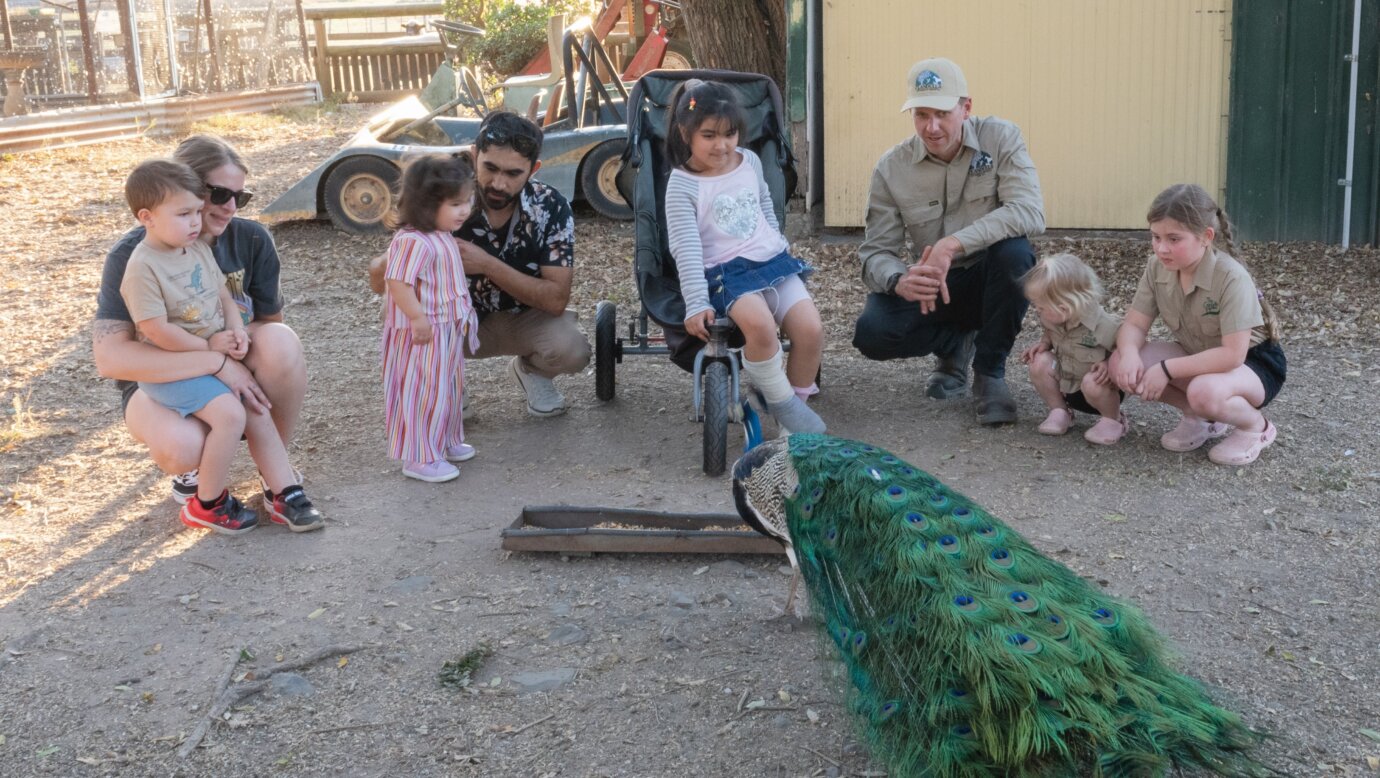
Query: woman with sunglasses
[[272, 378]]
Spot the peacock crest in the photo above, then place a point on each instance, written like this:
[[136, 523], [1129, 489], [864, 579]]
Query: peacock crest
[[969, 652]]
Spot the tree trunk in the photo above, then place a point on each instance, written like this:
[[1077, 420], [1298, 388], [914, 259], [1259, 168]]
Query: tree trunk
[[745, 35]]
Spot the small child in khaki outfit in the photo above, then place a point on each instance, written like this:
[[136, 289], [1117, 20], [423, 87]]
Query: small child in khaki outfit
[[1068, 366]]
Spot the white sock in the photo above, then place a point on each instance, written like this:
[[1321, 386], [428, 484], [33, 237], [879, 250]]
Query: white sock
[[769, 378]]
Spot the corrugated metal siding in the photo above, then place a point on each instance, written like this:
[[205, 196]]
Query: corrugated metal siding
[[1117, 99], [1289, 121]]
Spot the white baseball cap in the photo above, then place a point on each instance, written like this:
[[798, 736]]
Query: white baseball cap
[[934, 83]]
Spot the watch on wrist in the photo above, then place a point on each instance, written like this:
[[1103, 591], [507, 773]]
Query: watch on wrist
[[892, 282]]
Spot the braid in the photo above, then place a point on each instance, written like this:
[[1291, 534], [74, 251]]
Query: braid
[[1224, 230]]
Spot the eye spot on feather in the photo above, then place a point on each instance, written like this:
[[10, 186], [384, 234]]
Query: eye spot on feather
[[888, 709], [1106, 617], [957, 693], [816, 493], [949, 544], [963, 514], [907, 472], [859, 642], [966, 604], [848, 453], [938, 500], [1024, 643], [831, 535], [890, 460], [964, 732], [916, 521], [1024, 602], [896, 494], [988, 532], [1002, 558]]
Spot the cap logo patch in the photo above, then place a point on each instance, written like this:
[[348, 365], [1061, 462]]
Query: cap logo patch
[[928, 81]]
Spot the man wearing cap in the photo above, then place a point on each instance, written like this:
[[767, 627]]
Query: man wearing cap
[[965, 191]]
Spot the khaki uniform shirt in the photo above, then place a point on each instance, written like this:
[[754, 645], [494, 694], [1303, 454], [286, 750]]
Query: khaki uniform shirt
[[989, 192], [1221, 301], [183, 285], [1080, 344]]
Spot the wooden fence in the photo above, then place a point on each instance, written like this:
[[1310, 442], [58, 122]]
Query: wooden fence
[[370, 69]]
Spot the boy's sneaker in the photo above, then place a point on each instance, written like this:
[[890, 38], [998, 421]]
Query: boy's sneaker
[[268, 493], [431, 472], [228, 517], [294, 509], [184, 487], [543, 399], [461, 453]]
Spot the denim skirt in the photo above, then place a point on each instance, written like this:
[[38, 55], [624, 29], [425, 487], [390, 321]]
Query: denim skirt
[[740, 276]]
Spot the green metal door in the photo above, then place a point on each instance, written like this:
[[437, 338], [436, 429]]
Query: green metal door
[[1288, 123]]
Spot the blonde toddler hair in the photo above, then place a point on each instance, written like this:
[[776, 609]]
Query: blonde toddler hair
[[1066, 282]]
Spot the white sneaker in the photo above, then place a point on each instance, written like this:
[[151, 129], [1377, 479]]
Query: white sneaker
[[543, 399], [461, 453], [184, 487]]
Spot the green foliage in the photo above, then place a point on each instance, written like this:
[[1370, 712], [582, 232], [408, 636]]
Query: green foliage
[[514, 33], [456, 673]]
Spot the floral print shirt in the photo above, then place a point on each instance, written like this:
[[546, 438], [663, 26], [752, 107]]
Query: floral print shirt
[[541, 233]]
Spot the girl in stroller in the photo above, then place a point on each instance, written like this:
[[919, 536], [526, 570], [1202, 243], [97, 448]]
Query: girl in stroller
[[730, 254]]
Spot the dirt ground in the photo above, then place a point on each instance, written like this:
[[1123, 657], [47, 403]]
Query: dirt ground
[[116, 624]]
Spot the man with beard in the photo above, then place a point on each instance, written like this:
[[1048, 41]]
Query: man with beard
[[519, 251]]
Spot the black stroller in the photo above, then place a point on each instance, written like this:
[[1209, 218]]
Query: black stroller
[[642, 181]]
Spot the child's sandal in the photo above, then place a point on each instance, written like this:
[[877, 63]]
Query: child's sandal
[[1106, 431], [1242, 447], [1192, 433], [1057, 422]]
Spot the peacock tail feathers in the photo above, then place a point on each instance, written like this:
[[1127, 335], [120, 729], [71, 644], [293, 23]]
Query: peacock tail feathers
[[969, 652]]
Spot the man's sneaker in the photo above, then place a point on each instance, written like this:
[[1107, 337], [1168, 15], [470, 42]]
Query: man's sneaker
[[294, 509], [995, 405], [542, 397], [461, 453], [950, 376], [268, 493], [431, 472], [228, 517], [465, 412], [184, 487]]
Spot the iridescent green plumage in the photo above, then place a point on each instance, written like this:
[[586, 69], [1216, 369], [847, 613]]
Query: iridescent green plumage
[[970, 653]]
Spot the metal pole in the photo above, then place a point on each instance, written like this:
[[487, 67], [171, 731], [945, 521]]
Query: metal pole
[[212, 46], [128, 31], [1346, 182], [5, 21], [302, 30], [170, 35], [88, 47]]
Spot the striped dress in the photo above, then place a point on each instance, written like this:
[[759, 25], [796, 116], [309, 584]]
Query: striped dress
[[422, 382]]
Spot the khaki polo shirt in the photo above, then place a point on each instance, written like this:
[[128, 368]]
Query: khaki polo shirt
[[1221, 301], [1080, 344], [989, 192]]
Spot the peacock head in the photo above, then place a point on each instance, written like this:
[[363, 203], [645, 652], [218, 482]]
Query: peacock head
[[763, 479]]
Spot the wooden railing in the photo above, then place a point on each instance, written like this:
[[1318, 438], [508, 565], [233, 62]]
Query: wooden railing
[[374, 70]]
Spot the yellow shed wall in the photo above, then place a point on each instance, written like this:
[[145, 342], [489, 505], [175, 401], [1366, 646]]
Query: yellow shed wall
[[1117, 99]]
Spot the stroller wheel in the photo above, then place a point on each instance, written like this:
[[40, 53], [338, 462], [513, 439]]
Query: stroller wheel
[[715, 417], [607, 349]]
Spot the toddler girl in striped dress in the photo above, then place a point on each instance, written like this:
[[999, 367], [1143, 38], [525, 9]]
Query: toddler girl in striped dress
[[427, 319]]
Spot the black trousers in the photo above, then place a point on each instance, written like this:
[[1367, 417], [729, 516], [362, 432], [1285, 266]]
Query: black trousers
[[985, 297]]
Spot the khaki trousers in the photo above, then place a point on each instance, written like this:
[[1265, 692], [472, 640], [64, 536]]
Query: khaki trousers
[[550, 345]]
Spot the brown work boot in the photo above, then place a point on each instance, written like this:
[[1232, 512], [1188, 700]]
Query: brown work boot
[[995, 405], [950, 376]]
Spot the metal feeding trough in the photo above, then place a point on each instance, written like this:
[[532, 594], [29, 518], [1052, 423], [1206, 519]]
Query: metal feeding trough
[[569, 529]]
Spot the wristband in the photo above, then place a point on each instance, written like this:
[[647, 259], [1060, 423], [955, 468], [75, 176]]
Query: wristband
[[224, 359], [1165, 367]]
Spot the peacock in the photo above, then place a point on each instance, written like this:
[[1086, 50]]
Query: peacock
[[970, 653]]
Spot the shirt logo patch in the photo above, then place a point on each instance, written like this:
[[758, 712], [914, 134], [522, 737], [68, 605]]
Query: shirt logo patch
[[981, 164], [928, 81], [1088, 341], [1211, 308]]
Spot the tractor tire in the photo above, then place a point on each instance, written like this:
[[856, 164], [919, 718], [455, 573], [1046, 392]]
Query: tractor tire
[[360, 192], [678, 56], [715, 418], [598, 174], [608, 351]]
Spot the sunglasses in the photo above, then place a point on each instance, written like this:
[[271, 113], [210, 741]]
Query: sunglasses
[[525, 145], [219, 195]]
